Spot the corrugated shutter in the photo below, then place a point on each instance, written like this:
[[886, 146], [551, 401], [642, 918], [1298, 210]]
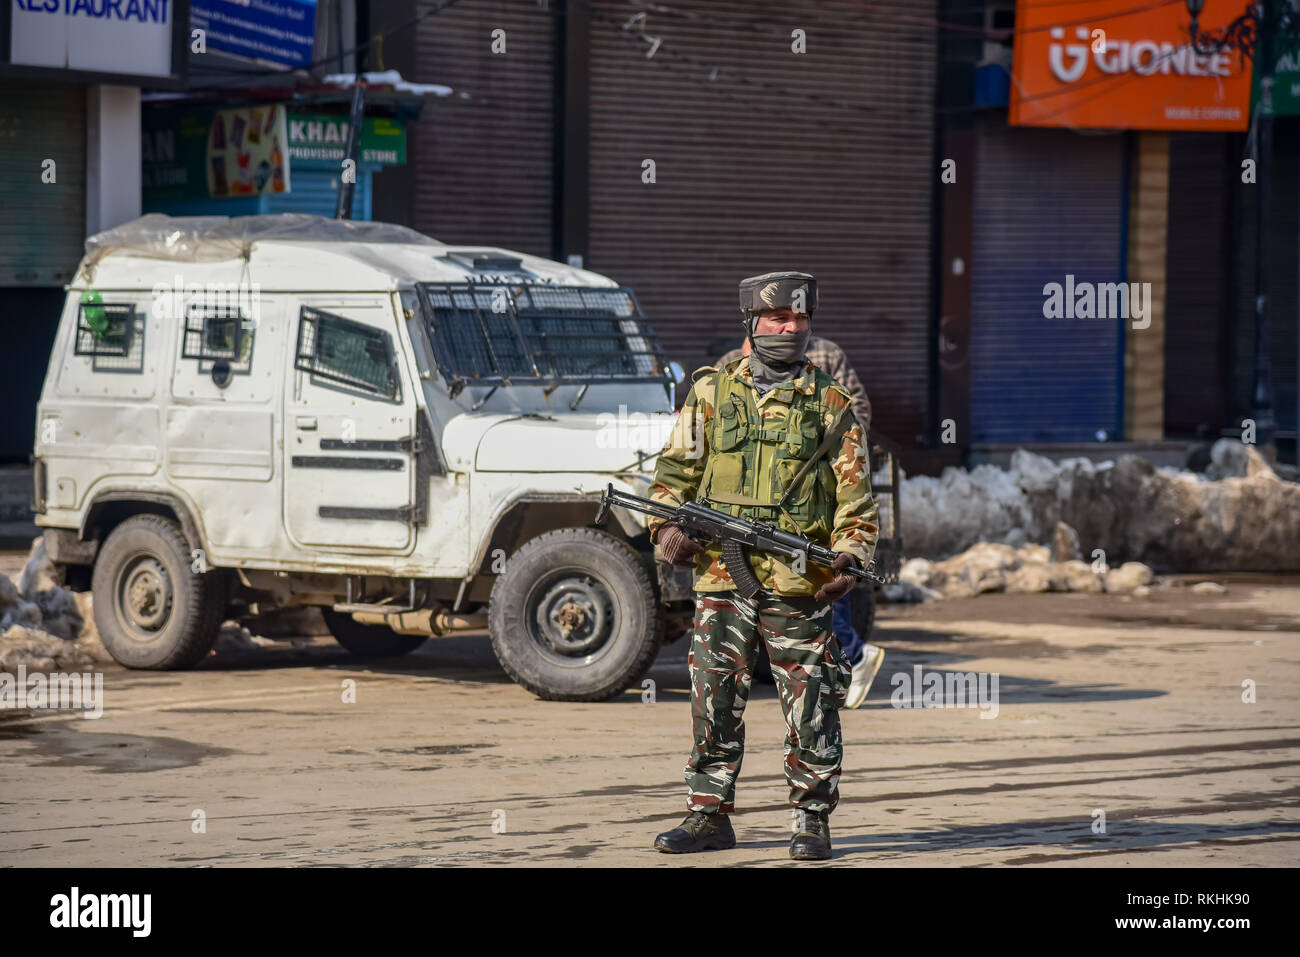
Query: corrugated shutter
[[751, 178], [485, 167], [44, 224], [1048, 203], [1197, 285], [316, 191]]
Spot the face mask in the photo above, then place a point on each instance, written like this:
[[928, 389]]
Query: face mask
[[784, 349]]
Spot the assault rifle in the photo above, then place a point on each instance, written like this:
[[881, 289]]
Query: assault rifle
[[705, 525]]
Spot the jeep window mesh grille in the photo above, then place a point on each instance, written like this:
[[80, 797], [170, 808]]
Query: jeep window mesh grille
[[112, 334], [525, 332], [217, 332], [212, 332], [347, 352]]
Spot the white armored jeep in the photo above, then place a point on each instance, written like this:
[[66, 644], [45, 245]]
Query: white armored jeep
[[243, 416]]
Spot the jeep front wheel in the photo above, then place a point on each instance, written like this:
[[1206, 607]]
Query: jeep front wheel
[[153, 611], [573, 616]]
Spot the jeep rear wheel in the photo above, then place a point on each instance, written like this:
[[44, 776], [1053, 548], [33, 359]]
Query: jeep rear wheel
[[368, 641], [153, 611], [573, 616]]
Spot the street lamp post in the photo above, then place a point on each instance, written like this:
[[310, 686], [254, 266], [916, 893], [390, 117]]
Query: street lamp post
[[1254, 36]]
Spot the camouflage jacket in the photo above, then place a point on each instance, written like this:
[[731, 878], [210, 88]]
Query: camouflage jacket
[[830, 358], [752, 448]]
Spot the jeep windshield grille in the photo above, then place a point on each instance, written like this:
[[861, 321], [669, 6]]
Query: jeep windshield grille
[[518, 332]]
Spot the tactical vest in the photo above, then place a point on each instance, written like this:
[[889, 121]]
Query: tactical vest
[[751, 463]]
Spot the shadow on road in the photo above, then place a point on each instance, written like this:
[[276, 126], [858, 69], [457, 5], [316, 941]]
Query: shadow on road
[[469, 657], [1063, 839], [461, 657]]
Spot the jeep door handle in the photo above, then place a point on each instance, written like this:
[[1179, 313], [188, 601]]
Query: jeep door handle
[[306, 422]]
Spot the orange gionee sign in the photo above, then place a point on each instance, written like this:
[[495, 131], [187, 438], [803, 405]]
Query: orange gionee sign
[[1124, 64]]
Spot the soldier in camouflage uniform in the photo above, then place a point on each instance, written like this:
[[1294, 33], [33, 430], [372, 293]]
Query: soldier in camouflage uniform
[[744, 432], [864, 657]]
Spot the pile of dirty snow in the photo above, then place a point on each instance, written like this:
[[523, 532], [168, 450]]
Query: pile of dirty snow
[[1239, 515], [43, 625], [997, 567]]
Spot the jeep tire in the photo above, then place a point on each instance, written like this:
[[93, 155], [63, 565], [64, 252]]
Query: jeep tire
[[153, 611], [369, 641], [574, 617]]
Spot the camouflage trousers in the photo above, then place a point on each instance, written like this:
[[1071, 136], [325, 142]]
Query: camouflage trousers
[[812, 679]]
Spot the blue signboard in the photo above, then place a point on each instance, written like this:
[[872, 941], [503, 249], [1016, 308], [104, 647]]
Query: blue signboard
[[279, 32]]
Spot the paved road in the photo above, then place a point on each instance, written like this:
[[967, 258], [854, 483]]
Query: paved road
[[1132, 708]]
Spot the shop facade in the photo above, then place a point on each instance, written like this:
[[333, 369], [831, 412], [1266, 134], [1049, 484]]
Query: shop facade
[[1096, 263], [267, 157]]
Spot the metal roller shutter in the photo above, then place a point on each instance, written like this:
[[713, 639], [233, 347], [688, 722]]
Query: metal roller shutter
[[44, 224], [316, 191], [1197, 285], [1048, 203], [485, 163], [751, 179]]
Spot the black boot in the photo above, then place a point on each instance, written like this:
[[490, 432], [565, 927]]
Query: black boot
[[812, 836], [699, 832]]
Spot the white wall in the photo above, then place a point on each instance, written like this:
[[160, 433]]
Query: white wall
[[112, 156]]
